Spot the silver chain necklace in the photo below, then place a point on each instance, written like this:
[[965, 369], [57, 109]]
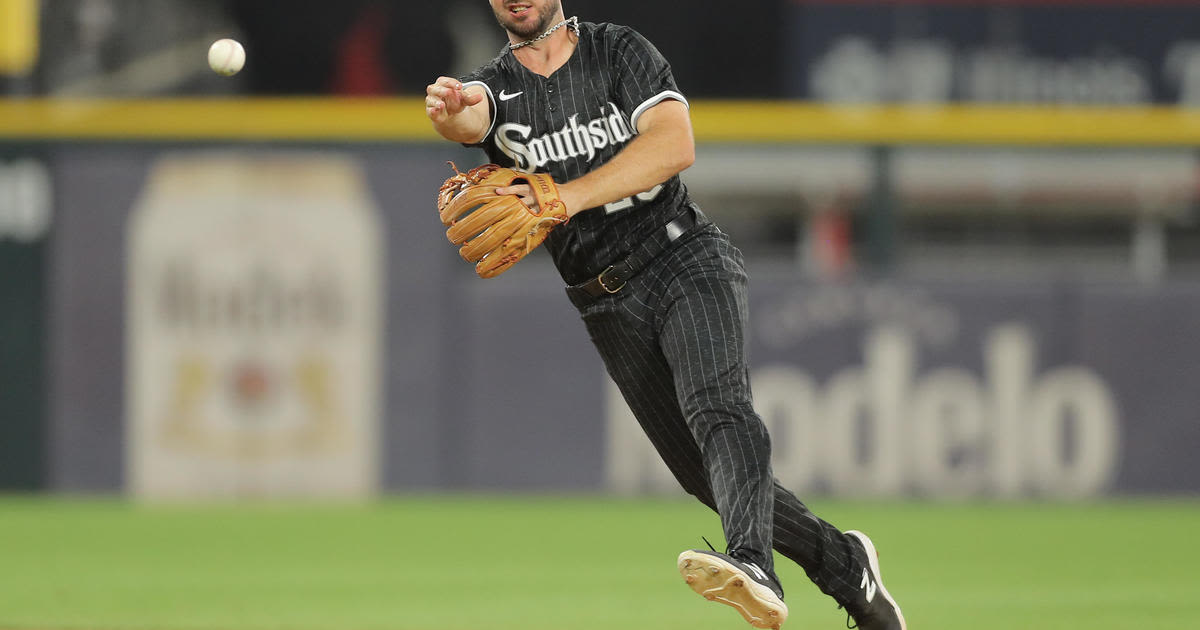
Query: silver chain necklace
[[573, 21]]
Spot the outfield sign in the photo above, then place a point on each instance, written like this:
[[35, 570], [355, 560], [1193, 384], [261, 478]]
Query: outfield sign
[[253, 326], [961, 390], [1082, 53], [242, 354]]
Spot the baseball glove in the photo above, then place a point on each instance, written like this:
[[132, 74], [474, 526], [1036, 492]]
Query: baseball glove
[[497, 231]]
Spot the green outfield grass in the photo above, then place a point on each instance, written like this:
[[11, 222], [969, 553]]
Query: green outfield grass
[[459, 563]]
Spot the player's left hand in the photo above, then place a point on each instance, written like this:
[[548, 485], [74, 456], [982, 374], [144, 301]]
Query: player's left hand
[[527, 197], [521, 190], [495, 219]]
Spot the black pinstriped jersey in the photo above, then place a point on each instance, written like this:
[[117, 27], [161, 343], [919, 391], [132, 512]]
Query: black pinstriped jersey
[[576, 120]]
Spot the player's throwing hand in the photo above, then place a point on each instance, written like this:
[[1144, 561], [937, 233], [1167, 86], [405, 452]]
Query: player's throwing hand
[[445, 98]]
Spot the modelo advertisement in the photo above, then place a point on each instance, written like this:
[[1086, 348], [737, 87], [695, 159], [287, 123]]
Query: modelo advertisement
[[254, 320], [222, 323], [965, 390], [1111, 53]]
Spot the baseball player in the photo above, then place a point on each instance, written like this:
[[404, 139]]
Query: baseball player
[[591, 111]]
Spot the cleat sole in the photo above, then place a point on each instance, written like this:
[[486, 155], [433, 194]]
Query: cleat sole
[[719, 581]]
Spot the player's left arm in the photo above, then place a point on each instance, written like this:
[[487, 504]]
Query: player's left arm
[[663, 148]]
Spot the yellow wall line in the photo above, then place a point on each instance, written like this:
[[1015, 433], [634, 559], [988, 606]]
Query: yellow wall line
[[304, 119]]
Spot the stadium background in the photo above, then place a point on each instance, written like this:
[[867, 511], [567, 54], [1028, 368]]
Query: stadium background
[[972, 232]]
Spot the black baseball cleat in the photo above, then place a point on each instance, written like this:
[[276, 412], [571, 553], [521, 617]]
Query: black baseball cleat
[[873, 607], [743, 585]]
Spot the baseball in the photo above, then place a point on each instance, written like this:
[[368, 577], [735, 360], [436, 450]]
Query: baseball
[[226, 57]]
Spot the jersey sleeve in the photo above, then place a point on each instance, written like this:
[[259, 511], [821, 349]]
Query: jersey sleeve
[[484, 77], [642, 76]]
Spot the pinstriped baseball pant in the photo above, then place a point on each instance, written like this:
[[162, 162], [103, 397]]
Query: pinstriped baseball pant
[[673, 341]]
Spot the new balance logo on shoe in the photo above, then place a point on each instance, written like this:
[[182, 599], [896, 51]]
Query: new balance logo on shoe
[[867, 584], [876, 610], [762, 577]]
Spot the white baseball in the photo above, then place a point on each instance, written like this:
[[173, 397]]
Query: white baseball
[[226, 57]]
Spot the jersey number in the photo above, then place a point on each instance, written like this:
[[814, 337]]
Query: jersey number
[[628, 202]]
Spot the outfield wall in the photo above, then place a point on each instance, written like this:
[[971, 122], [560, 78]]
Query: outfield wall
[[233, 317]]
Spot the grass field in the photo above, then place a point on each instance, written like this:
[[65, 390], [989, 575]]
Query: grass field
[[458, 563]]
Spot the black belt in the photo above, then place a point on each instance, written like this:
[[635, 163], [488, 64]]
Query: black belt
[[613, 279]]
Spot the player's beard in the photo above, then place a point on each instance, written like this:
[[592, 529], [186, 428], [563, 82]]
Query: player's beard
[[545, 20]]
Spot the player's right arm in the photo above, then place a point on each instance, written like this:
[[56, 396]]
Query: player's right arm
[[460, 115]]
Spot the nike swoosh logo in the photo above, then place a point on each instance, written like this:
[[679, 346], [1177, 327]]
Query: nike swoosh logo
[[509, 97]]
